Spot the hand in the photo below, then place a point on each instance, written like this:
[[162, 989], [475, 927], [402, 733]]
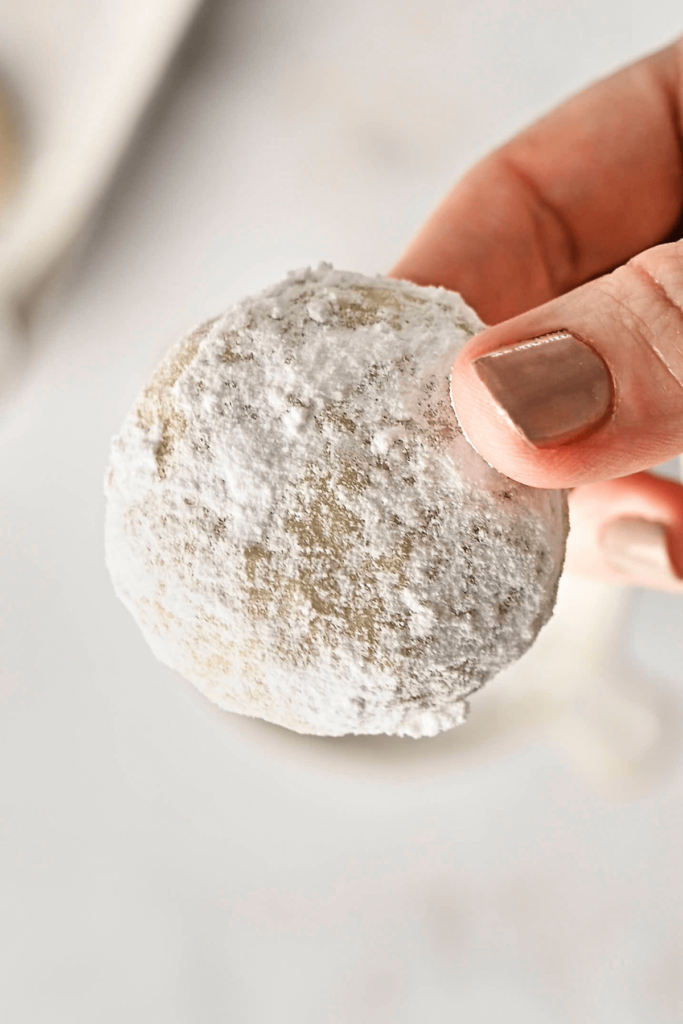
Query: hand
[[531, 238]]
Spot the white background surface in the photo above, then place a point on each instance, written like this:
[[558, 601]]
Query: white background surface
[[159, 862]]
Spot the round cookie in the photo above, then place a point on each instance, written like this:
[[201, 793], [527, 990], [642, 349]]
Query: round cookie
[[299, 526]]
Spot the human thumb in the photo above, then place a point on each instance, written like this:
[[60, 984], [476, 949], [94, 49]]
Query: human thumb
[[586, 387]]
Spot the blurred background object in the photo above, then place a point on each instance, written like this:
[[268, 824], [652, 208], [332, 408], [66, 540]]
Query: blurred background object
[[159, 860], [83, 105], [10, 150]]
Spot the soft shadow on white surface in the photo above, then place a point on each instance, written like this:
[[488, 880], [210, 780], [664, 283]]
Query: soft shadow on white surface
[[156, 865]]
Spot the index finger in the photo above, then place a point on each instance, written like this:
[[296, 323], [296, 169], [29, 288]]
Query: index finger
[[576, 194]]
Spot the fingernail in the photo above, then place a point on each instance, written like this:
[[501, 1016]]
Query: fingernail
[[553, 388], [638, 548]]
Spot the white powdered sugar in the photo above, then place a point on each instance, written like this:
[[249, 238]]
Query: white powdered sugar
[[299, 527]]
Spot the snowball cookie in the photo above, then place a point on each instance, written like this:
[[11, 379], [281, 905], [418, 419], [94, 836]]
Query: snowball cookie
[[300, 528]]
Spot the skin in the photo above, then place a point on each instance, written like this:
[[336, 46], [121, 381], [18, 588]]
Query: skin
[[578, 221]]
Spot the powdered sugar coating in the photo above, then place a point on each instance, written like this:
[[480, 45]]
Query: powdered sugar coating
[[299, 527]]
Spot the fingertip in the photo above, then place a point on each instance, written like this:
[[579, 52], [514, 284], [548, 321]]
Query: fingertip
[[629, 531], [491, 432], [539, 409]]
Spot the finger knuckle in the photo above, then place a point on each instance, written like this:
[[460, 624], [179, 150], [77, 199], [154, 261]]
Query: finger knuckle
[[647, 298], [661, 272], [654, 287]]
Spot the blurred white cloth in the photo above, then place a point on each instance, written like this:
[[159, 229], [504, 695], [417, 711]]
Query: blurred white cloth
[[83, 85]]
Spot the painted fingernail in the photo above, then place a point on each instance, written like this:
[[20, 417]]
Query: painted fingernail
[[638, 548], [554, 388]]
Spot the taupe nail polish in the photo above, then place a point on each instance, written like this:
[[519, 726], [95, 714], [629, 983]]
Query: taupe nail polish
[[638, 548], [554, 388]]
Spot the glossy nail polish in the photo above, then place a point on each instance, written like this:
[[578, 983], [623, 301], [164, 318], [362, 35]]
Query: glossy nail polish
[[554, 388]]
